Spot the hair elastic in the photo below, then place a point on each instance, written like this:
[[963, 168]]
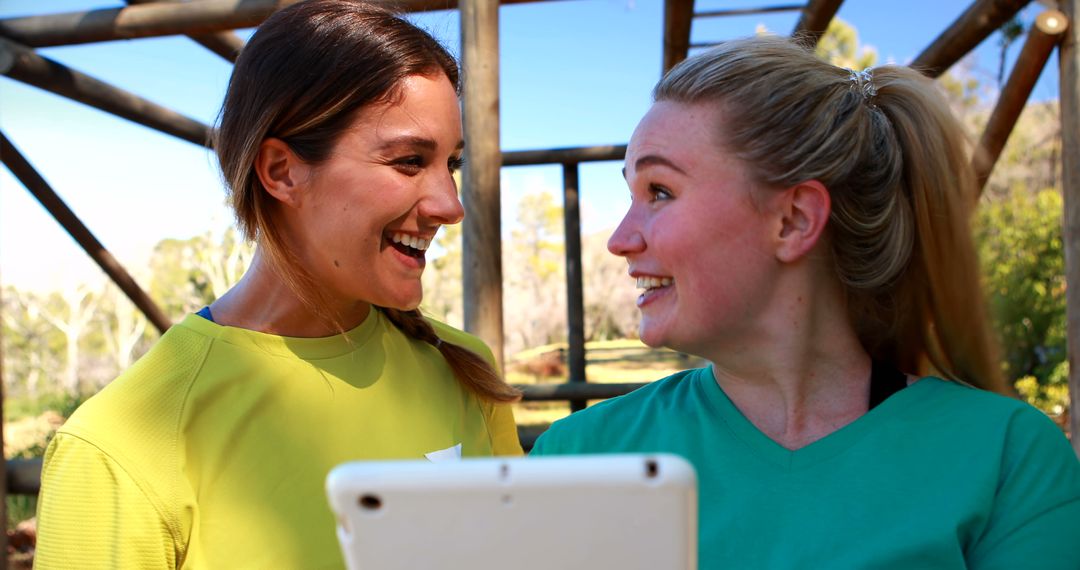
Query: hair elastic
[[863, 82]]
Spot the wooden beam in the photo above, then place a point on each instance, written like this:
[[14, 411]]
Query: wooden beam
[[980, 20], [24, 171], [574, 391], [151, 19], [22, 64], [1042, 38], [481, 233], [575, 296], [147, 20], [1069, 56], [225, 44], [564, 155], [678, 16], [815, 19], [749, 11]]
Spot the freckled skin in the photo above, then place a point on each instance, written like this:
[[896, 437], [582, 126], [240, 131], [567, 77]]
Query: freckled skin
[[693, 218]]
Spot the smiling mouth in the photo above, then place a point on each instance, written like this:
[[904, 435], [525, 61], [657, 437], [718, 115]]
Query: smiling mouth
[[652, 283], [409, 245]]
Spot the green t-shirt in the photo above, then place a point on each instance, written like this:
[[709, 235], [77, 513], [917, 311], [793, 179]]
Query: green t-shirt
[[213, 449], [937, 476]]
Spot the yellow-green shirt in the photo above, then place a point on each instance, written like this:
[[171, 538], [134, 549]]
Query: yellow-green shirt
[[211, 451]]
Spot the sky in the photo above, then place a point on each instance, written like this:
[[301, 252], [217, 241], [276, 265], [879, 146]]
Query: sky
[[572, 73]]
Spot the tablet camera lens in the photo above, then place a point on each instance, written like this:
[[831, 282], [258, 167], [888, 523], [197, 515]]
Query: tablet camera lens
[[652, 469], [370, 502]]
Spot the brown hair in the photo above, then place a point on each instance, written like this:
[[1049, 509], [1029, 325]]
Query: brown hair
[[302, 77], [897, 166]]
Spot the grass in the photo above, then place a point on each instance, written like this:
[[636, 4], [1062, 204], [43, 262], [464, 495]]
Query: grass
[[617, 361]]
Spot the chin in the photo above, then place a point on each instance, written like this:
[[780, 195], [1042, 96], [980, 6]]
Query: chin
[[402, 303], [650, 336]]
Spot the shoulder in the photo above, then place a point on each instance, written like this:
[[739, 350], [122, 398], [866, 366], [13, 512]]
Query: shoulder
[[461, 338], [1017, 430], [973, 405], [135, 420], [159, 378], [616, 416]]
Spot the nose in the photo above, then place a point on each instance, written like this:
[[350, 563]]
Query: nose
[[627, 239], [442, 204]]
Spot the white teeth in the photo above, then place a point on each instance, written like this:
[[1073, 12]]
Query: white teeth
[[653, 282], [411, 241]]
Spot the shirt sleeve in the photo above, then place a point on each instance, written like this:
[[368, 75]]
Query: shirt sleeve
[[504, 435], [1037, 506], [549, 443], [92, 514]]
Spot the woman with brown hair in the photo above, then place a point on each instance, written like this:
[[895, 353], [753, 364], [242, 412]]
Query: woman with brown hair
[[805, 229], [338, 141]]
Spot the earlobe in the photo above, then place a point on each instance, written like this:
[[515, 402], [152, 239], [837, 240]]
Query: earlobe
[[805, 214], [280, 171]]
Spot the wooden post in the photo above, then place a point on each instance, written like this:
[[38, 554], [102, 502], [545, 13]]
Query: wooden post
[[22, 64], [225, 44], [37, 186], [1042, 38], [678, 16], [815, 19], [969, 30], [3, 468], [575, 298], [481, 234], [1069, 55]]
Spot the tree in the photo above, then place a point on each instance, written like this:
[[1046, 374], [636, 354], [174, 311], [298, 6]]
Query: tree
[[535, 299], [190, 274], [1009, 32], [1020, 244], [610, 310], [123, 324], [71, 311], [443, 295], [839, 45], [31, 344]]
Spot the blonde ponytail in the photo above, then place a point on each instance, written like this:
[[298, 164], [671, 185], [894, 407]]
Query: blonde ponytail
[[942, 285]]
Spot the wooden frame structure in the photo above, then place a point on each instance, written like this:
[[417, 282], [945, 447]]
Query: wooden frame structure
[[208, 22]]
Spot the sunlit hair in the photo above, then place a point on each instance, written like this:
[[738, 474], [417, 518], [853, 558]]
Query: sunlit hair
[[897, 166], [302, 78]]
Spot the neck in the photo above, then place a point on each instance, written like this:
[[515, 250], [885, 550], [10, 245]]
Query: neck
[[263, 302], [801, 373]]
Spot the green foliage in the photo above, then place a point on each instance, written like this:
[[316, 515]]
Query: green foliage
[[1020, 245], [18, 408], [540, 234], [20, 508], [442, 278], [839, 45]]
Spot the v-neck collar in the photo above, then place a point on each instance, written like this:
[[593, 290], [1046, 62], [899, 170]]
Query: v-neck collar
[[831, 445]]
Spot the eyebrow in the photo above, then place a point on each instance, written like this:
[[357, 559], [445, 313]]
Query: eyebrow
[[415, 142], [654, 160]]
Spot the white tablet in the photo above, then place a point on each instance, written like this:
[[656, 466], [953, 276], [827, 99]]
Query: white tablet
[[585, 512]]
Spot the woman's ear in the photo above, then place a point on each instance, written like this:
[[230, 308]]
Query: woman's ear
[[805, 210], [281, 171]]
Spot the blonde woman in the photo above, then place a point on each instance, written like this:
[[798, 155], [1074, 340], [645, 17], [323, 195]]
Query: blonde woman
[[338, 139], [805, 229]]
